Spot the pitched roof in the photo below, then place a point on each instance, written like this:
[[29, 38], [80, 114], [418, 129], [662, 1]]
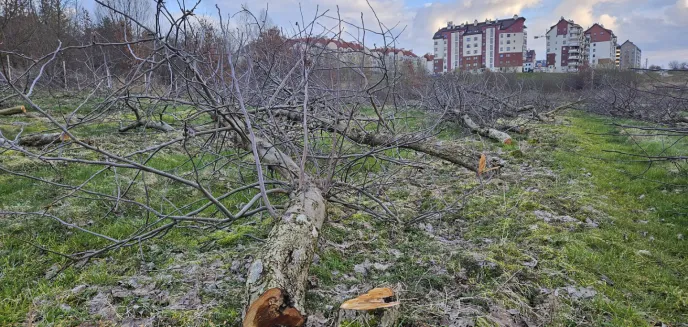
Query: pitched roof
[[475, 29], [408, 53], [602, 27], [570, 21]]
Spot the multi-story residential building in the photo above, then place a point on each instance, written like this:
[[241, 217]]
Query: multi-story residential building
[[566, 47], [429, 62], [497, 45], [396, 56], [629, 55], [529, 62], [602, 49]]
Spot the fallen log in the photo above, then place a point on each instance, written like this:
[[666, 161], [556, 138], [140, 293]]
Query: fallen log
[[429, 146], [564, 106], [486, 131], [160, 126], [290, 246], [43, 139], [13, 111]]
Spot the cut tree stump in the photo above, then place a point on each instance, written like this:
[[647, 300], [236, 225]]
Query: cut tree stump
[[378, 307]]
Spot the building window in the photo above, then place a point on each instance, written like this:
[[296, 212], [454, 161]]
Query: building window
[[475, 45], [468, 45], [508, 42], [508, 55], [508, 35], [501, 56], [564, 42], [593, 56], [475, 51], [593, 50], [508, 48], [501, 49], [475, 38]]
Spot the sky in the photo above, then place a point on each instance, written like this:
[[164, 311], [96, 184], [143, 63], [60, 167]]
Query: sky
[[658, 27]]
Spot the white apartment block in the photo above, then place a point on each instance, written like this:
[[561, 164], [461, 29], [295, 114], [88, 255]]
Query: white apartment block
[[566, 47], [602, 49], [497, 45]]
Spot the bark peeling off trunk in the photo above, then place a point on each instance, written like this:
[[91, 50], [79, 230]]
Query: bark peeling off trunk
[[485, 131], [289, 249]]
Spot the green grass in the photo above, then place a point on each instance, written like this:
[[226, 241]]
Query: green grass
[[636, 212], [497, 226]]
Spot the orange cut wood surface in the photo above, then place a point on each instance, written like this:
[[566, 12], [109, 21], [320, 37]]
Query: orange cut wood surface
[[481, 164], [375, 299]]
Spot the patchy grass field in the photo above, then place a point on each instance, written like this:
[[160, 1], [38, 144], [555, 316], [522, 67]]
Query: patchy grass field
[[566, 235]]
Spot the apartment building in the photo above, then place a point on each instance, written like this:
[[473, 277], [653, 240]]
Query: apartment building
[[629, 55], [529, 62], [429, 62], [566, 47], [602, 48], [496, 45]]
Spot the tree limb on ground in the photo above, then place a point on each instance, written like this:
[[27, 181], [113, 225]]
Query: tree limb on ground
[[486, 131], [43, 139]]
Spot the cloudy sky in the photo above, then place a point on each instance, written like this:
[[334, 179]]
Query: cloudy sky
[[658, 27]]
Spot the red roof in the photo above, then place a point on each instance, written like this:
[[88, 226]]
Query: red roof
[[408, 53]]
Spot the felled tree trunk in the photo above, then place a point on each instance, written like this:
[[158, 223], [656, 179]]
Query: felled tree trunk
[[13, 111], [289, 249], [291, 244], [429, 146], [142, 122], [42, 139], [486, 131], [160, 126]]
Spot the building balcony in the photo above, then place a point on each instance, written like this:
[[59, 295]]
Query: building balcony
[[574, 50], [571, 57]]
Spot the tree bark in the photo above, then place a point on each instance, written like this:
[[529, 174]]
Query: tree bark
[[42, 139], [160, 126], [486, 131], [12, 111], [289, 249], [430, 146]]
